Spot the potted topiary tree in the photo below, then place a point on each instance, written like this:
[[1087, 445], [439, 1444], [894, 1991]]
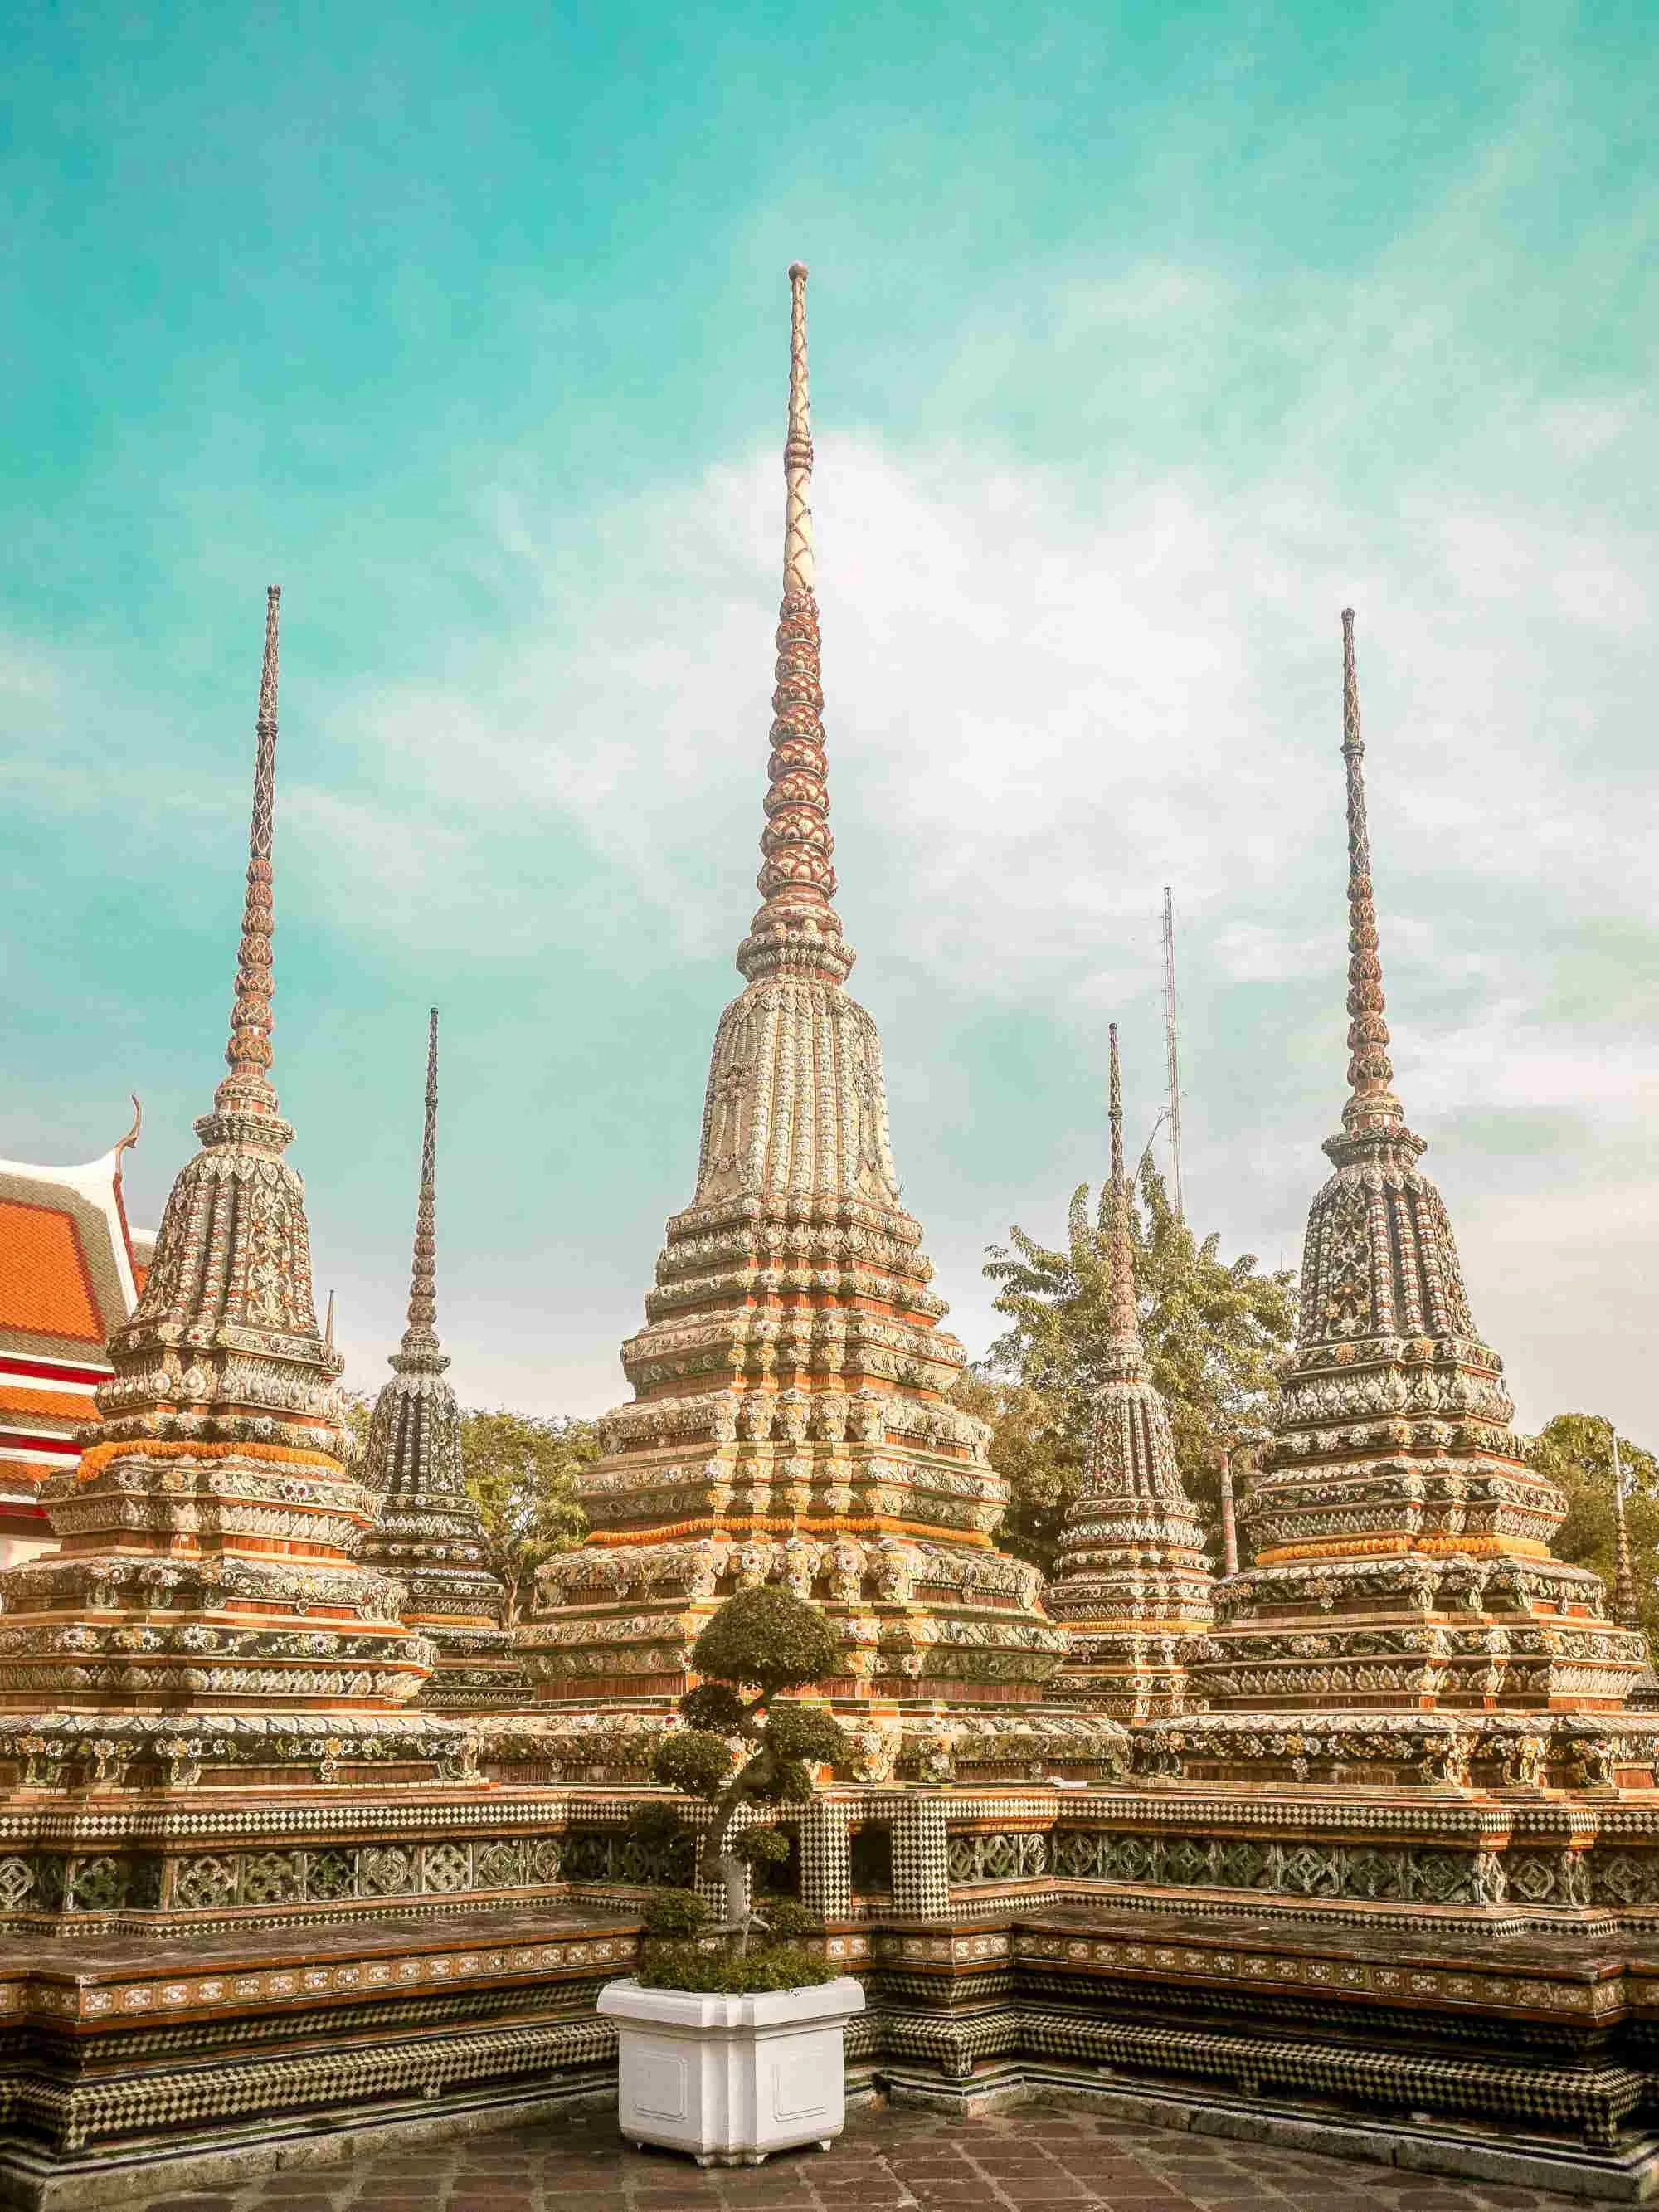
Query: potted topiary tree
[[730, 2034]]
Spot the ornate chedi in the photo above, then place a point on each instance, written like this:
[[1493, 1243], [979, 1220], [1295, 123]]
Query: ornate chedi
[[204, 1616], [1402, 1564], [792, 1416], [428, 1532], [1130, 1584]]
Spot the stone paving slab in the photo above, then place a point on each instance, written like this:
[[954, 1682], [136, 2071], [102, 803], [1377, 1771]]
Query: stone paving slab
[[1037, 2159]]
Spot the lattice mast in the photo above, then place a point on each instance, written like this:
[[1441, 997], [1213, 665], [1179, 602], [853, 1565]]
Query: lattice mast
[[1172, 1056]]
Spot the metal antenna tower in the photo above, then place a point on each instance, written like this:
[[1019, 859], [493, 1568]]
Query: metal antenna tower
[[1173, 1111]]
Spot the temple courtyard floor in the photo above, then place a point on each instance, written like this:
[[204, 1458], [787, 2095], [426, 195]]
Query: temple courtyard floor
[[889, 2161]]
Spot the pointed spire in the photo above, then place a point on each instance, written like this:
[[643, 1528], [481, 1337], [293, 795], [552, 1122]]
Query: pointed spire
[[1625, 1606], [422, 1334], [1371, 1103], [247, 1089], [1123, 1317], [797, 929], [328, 1325]]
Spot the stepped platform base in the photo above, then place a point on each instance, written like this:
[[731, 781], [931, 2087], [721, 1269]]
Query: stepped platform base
[[123, 2058], [1457, 2046], [34, 2181], [1459, 1980]]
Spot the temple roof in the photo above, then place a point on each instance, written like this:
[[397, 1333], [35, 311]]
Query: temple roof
[[71, 1269]]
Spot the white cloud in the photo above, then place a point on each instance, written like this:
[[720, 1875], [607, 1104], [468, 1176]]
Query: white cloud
[[1049, 692], [1044, 702]]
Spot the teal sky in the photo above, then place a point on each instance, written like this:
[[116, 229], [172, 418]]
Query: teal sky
[[1143, 340]]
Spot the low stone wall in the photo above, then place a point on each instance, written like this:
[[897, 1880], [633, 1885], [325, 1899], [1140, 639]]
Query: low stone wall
[[226, 1982]]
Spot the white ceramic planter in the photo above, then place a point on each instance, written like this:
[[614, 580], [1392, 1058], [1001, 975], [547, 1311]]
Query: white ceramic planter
[[731, 2079]]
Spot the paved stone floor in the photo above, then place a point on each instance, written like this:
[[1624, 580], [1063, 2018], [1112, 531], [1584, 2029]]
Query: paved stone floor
[[1017, 2162]]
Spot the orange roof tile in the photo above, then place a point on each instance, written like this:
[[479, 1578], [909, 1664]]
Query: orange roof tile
[[44, 1287], [63, 1405]]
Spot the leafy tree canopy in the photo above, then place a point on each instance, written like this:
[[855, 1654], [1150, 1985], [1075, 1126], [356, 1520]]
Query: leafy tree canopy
[[1576, 1451], [520, 1472], [1214, 1331], [766, 1640], [359, 1413]]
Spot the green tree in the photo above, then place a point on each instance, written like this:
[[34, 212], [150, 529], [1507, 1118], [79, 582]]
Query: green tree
[[765, 1641], [1214, 1331], [520, 1471], [1037, 1449], [359, 1413], [1576, 1451]]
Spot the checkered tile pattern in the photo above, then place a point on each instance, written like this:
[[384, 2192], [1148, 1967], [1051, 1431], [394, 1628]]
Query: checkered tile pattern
[[921, 1882], [825, 1829]]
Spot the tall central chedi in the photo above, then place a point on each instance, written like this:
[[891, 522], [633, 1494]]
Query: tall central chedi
[[791, 1418]]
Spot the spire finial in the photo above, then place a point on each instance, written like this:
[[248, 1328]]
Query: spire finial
[[1123, 1319], [420, 1335], [247, 1089], [328, 1325], [1625, 1606], [131, 1137], [797, 570], [1371, 1103], [797, 929]]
